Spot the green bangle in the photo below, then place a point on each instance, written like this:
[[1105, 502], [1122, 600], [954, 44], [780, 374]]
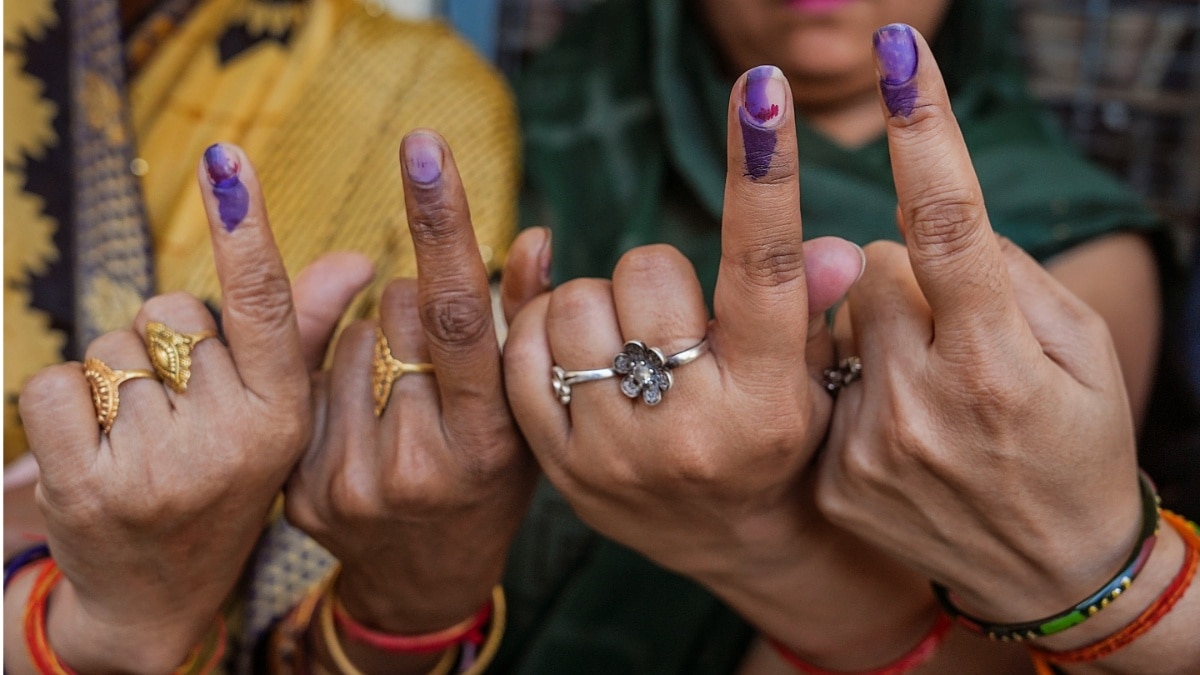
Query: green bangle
[[1081, 612]]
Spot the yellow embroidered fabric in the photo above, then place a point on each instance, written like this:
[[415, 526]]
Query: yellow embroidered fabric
[[321, 114], [322, 120]]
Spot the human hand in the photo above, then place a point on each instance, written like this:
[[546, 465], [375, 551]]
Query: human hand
[[419, 504], [989, 443], [710, 482], [152, 522]]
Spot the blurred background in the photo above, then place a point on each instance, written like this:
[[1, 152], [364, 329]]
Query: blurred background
[[1123, 76]]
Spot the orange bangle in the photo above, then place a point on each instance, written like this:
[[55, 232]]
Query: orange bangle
[[1149, 617], [203, 659], [915, 657], [469, 630]]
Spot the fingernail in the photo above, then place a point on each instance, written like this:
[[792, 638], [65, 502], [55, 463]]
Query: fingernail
[[896, 58], [224, 172], [423, 156], [544, 258], [862, 255], [764, 100]]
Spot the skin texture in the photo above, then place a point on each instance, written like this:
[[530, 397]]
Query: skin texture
[[152, 523], [711, 482], [990, 443], [420, 504]]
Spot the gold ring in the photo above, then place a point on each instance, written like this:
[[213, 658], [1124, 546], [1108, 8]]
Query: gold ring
[[171, 353], [105, 383], [387, 369]]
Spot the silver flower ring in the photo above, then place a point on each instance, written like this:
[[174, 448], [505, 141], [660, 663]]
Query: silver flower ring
[[646, 372]]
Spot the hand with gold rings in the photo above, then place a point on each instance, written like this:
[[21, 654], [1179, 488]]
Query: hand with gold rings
[[105, 383], [416, 457], [152, 498], [386, 369], [171, 353]]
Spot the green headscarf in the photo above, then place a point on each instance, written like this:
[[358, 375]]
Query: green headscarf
[[624, 123]]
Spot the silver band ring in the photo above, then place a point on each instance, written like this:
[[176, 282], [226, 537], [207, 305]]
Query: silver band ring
[[563, 380], [846, 372], [646, 372]]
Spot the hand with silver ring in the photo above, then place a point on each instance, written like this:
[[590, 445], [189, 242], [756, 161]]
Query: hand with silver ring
[[417, 476], [692, 440], [152, 513], [990, 442]]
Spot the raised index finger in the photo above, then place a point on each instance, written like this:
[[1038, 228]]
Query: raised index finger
[[452, 287], [761, 300], [256, 296], [955, 255]]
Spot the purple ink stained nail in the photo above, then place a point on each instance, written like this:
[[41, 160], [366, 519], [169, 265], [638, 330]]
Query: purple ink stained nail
[[761, 113], [233, 201], [423, 156], [896, 55]]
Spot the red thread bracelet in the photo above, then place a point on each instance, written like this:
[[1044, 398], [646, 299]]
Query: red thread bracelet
[[1151, 615], [427, 643], [916, 657]]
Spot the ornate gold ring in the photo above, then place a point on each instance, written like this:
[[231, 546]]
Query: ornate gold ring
[[386, 369], [105, 383], [171, 353]]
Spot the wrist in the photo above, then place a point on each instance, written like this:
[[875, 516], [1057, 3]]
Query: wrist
[[390, 603], [87, 643], [1158, 574], [841, 604]]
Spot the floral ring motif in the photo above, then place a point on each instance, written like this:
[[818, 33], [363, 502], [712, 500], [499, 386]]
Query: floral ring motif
[[647, 372], [848, 371]]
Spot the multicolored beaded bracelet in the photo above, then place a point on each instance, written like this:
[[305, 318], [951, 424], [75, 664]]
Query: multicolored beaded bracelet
[[1149, 617], [1017, 632]]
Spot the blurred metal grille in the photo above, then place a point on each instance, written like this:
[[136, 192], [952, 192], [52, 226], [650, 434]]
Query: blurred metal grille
[[1124, 77]]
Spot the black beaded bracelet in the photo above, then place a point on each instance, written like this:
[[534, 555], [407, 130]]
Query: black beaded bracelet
[[1076, 615]]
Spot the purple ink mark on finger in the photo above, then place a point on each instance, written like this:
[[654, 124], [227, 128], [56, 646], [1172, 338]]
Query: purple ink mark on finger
[[760, 115], [233, 200], [896, 54], [423, 156]]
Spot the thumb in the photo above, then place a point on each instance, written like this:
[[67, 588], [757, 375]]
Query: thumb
[[831, 266], [322, 292], [526, 271]]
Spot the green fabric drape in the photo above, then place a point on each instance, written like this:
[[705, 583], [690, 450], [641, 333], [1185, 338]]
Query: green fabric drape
[[624, 125]]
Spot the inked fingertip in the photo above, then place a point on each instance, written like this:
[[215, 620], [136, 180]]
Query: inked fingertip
[[423, 157], [764, 101], [897, 61], [222, 164]]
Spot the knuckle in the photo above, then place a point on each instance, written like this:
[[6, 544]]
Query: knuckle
[[169, 305], [773, 263], [579, 299], [47, 388], [457, 317], [694, 465], [259, 294], [946, 219], [646, 262], [353, 499], [432, 221]]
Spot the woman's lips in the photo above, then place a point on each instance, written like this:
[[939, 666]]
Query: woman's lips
[[817, 6]]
